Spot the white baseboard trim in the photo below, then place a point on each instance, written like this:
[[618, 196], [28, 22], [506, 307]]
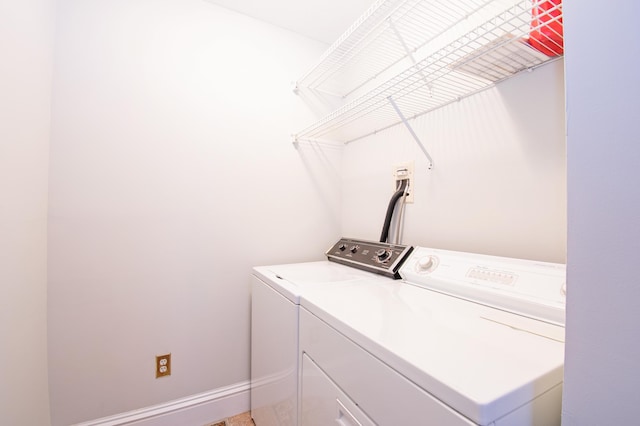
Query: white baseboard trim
[[194, 410]]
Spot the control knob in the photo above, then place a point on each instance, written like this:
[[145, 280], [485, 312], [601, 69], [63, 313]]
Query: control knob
[[354, 249], [426, 264], [342, 247], [383, 254]]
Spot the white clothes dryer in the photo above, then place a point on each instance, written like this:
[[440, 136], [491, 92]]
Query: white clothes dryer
[[464, 339]]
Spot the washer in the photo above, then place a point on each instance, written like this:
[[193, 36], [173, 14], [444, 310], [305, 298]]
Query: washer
[[276, 292]]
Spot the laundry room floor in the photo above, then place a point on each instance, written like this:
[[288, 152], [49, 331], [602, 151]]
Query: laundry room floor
[[243, 419]]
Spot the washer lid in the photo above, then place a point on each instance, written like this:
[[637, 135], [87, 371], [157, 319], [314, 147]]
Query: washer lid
[[291, 279], [482, 362]]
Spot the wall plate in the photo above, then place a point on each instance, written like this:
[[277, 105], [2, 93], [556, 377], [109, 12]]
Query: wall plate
[[403, 171]]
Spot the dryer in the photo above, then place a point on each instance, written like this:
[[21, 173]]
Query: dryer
[[464, 339]]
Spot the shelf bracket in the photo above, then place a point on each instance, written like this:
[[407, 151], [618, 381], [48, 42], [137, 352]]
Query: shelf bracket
[[409, 53], [413, 134]]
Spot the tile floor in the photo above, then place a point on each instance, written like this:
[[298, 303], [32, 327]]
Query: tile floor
[[243, 419]]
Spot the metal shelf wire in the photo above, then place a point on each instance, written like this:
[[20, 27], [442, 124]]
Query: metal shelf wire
[[430, 53]]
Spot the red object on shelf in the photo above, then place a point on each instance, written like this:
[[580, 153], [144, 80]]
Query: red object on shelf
[[546, 27]]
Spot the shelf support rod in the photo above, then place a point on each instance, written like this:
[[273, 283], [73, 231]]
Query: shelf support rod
[[409, 53], [393, 27], [413, 134]]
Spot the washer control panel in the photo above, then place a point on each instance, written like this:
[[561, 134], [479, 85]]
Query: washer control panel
[[380, 258]]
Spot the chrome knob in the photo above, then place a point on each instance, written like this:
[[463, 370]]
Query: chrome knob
[[383, 254]]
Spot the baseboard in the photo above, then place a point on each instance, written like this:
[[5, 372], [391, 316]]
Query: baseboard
[[194, 410]]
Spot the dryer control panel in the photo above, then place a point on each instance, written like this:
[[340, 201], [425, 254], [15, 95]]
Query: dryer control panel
[[526, 287], [380, 258]]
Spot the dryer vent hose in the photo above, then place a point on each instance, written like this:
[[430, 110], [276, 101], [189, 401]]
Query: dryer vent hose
[[390, 209]]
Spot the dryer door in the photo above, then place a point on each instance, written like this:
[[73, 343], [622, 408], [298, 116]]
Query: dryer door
[[323, 403]]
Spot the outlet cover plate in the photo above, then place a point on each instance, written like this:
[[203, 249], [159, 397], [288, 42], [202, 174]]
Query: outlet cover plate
[[163, 365]]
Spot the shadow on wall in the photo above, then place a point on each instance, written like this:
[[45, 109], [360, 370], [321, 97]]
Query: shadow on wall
[[322, 163]]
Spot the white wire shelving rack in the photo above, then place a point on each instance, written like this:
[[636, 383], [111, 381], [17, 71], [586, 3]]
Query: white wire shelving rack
[[405, 58]]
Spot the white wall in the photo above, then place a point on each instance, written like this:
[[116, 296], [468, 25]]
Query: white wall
[[603, 100], [26, 31], [172, 173], [498, 184]]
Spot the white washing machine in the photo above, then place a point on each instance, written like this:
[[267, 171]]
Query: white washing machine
[[463, 339], [276, 292]]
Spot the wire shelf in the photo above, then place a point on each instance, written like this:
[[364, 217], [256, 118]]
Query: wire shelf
[[443, 51]]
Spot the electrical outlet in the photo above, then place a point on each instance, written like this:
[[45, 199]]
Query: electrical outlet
[[404, 171], [163, 365]]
